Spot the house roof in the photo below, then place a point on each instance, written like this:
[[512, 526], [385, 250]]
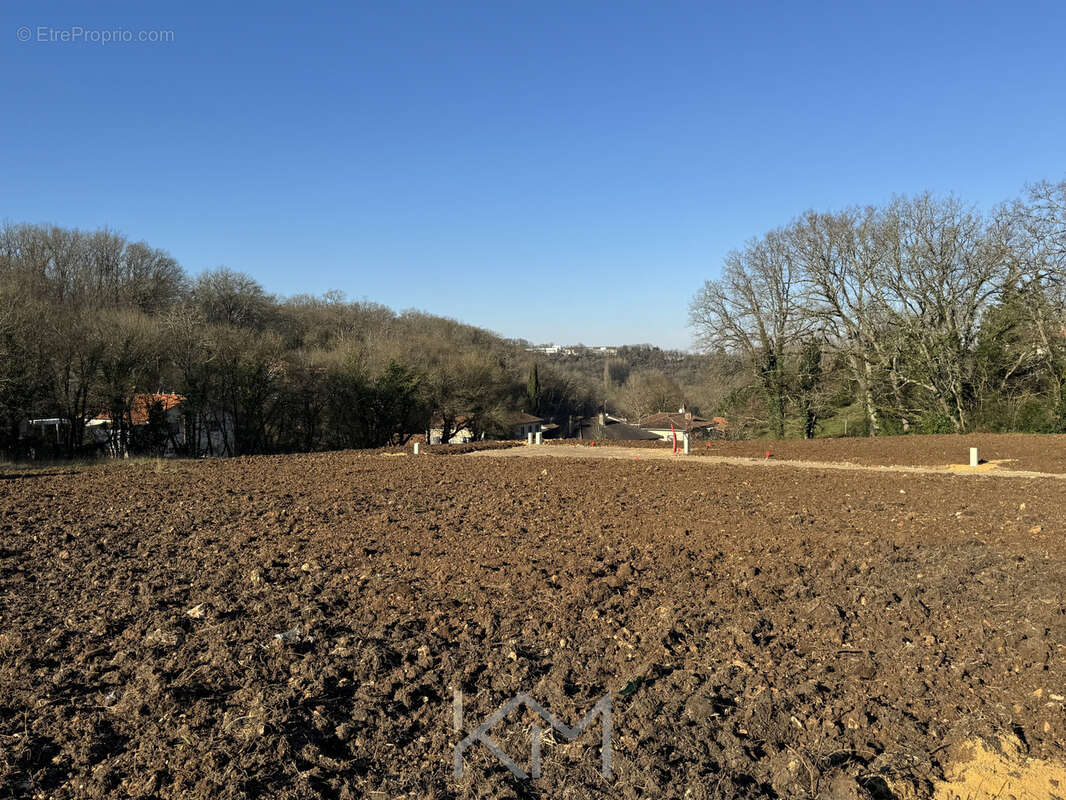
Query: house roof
[[518, 418], [682, 422], [522, 418], [614, 430], [141, 403], [459, 422]]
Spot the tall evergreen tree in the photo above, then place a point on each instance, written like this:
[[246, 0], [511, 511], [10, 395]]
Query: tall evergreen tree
[[533, 390]]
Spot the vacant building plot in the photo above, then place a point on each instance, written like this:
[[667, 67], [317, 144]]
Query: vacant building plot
[[1018, 452], [337, 625]]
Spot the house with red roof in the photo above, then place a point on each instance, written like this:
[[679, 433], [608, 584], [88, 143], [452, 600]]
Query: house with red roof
[[157, 422]]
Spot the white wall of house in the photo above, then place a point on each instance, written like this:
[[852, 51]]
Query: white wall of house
[[214, 433], [665, 434], [526, 428], [461, 436]]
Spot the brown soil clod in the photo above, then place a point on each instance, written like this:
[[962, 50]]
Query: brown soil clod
[[763, 631]]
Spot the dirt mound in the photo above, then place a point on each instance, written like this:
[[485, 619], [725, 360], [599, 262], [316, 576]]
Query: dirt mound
[[986, 772], [297, 626]]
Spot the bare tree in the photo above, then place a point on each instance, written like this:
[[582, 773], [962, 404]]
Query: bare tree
[[130, 364], [647, 392], [838, 256], [1033, 235], [757, 309], [225, 297], [940, 273], [1045, 219], [153, 281]]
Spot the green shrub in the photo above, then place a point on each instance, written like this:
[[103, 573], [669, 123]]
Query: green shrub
[[935, 422]]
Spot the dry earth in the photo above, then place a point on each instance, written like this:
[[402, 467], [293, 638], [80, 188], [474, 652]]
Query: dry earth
[[295, 626], [1024, 452], [999, 468]]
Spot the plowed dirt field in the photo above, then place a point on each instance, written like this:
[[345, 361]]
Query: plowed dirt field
[[298, 627], [1021, 452]]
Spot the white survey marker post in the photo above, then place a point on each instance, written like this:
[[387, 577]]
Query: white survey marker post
[[973, 456], [539, 439], [418, 448], [686, 444], [529, 438]]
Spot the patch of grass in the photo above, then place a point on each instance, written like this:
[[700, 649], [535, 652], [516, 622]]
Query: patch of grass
[[848, 421]]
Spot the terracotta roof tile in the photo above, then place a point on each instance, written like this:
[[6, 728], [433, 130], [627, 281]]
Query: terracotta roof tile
[[141, 403]]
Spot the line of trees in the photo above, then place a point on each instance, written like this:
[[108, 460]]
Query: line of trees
[[89, 320], [923, 313]]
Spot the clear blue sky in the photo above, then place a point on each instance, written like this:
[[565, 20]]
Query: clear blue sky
[[560, 171]]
